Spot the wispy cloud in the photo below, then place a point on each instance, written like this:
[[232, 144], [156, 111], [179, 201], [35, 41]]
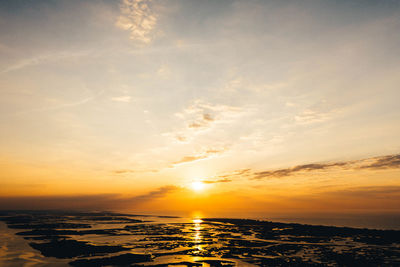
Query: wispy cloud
[[123, 171], [235, 174], [124, 98], [189, 159], [217, 181], [203, 155], [311, 116], [297, 169], [137, 17], [383, 162], [229, 177], [200, 116], [44, 58], [375, 163], [61, 106], [130, 171], [202, 122], [386, 162]]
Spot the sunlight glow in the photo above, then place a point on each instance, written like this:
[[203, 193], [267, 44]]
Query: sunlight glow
[[197, 186]]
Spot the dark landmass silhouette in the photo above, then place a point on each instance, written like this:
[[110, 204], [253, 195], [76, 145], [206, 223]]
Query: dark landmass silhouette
[[116, 239]]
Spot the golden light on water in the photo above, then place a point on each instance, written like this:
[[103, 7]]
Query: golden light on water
[[197, 233], [197, 221]]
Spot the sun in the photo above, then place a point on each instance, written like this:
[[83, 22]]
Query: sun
[[197, 186]]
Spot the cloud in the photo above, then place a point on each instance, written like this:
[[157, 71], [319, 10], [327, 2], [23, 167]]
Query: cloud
[[386, 162], [26, 63], [158, 193], [80, 202], [123, 171], [207, 117], [189, 159], [200, 116], [217, 181], [375, 163], [203, 121], [126, 171], [83, 202], [137, 17], [382, 162], [229, 177], [181, 138], [296, 169], [204, 155], [45, 58], [311, 116], [236, 174], [196, 125], [125, 98], [62, 106]]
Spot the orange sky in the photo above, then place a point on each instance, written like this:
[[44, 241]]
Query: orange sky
[[271, 106]]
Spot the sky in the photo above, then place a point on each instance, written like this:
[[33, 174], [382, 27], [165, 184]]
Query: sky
[[217, 107]]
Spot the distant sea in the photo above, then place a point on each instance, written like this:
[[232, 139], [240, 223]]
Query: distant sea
[[375, 221], [380, 221]]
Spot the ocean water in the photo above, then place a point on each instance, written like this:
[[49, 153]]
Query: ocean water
[[116, 239], [371, 221]]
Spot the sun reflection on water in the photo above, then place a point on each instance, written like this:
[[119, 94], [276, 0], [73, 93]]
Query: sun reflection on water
[[197, 221], [197, 233]]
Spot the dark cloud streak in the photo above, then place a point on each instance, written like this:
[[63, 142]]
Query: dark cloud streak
[[383, 162], [82, 202], [297, 169], [217, 181]]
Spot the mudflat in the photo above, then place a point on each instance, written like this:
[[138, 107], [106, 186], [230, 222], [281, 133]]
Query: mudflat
[[115, 239]]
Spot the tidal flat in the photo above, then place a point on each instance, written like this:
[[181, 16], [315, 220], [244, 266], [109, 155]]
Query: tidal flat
[[115, 239]]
